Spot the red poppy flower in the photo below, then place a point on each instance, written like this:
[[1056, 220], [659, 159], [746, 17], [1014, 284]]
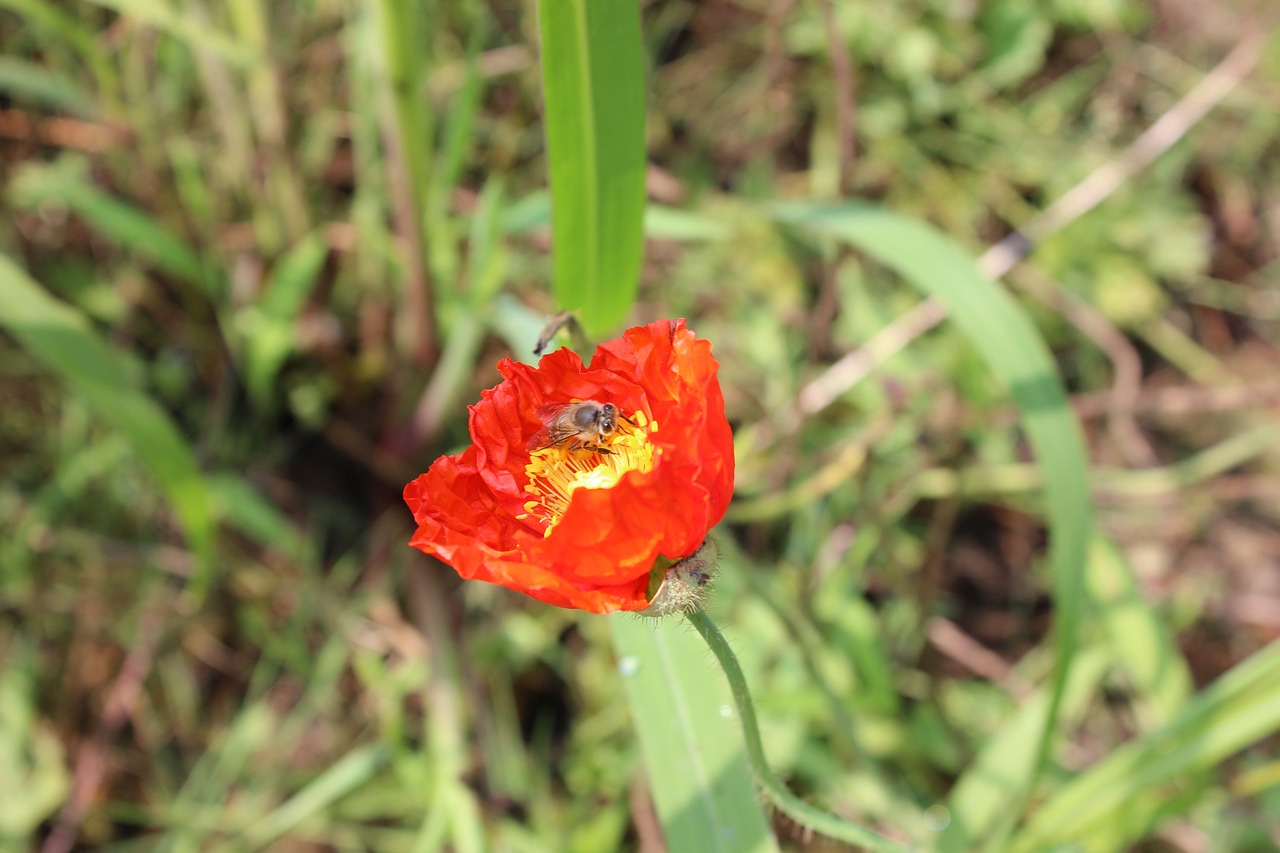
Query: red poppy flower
[[580, 523]]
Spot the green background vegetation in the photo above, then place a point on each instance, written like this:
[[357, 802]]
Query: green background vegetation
[[258, 257]]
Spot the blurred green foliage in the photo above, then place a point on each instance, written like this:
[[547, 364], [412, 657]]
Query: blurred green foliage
[[258, 257]]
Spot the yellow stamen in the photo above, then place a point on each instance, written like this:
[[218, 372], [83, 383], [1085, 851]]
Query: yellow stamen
[[555, 473]]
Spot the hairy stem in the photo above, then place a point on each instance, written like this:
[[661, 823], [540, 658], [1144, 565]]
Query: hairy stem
[[773, 788]]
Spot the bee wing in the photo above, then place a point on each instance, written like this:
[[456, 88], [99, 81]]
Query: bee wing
[[552, 436], [550, 411], [555, 430]]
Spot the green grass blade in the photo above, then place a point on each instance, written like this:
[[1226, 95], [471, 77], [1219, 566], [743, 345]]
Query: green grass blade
[[67, 182], [1014, 352], [1238, 709], [193, 32], [370, 204], [347, 774], [518, 324], [34, 779], [215, 775], [672, 223], [30, 83], [1141, 641], [60, 339], [457, 138], [459, 129], [53, 23], [242, 508], [693, 752], [268, 328], [593, 88], [661, 222], [979, 799], [399, 40]]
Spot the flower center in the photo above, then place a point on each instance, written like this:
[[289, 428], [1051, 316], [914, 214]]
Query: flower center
[[555, 473]]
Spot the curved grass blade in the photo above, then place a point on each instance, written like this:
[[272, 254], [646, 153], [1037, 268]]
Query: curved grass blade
[[347, 774], [1014, 352], [1240, 708], [63, 341], [593, 87], [981, 796], [693, 753]]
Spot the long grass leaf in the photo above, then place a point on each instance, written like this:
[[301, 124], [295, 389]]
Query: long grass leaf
[[693, 751], [593, 87], [1238, 709], [63, 341], [978, 799], [400, 37], [457, 138], [661, 222], [1012, 349], [346, 774]]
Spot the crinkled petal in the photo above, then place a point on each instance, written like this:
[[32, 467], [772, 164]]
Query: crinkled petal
[[470, 508], [459, 523]]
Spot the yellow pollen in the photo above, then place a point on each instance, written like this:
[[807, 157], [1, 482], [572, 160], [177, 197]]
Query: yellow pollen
[[555, 473]]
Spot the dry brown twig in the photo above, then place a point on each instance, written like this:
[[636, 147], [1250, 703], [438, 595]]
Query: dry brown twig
[[1182, 400], [61, 131], [947, 637]]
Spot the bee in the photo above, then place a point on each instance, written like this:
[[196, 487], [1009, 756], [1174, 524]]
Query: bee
[[581, 425]]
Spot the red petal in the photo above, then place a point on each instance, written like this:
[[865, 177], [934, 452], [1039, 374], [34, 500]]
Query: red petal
[[598, 555]]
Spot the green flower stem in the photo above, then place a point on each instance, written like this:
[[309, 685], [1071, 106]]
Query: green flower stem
[[785, 801]]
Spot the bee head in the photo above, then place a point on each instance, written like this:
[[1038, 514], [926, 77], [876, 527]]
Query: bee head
[[608, 418]]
